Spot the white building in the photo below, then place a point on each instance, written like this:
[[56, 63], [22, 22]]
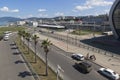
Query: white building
[[35, 23], [20, 23]]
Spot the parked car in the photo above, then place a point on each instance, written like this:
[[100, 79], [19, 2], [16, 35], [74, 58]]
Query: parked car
[[78, 57], [6, 38], [109, 73], [7, 33], [84, 66]]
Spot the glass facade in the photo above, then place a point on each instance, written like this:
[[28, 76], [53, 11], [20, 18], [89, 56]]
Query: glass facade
[[116, 18]]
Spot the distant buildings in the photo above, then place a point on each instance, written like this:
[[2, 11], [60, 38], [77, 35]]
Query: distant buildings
[[100, 22], [21, 23]]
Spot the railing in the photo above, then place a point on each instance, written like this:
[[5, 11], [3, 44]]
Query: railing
[[76, 42]]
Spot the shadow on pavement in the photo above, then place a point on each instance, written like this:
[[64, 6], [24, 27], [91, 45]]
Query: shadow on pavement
[[19, 61], [32, 62], [16, 53], [42, 74], [12, 44], [78, 69], [15, 47], [24, 74]]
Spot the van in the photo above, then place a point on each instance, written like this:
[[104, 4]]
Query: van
[[84, 66]]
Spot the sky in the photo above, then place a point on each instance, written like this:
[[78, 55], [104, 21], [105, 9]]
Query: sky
[[53, 8]]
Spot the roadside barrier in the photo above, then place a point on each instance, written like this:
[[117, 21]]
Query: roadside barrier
[[76, 42]]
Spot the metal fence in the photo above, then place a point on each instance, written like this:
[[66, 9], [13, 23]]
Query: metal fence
[[76, 42]]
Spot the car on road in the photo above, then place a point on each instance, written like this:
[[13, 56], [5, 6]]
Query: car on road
[[84, 66], [6, 38], [109, 73], [78, 57]]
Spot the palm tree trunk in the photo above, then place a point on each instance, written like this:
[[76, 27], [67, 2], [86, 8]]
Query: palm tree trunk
[[23, 41], [20, 40], [35, 54], [28, 47], [46, 65]]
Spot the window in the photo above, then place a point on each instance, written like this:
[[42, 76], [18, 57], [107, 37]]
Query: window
[[107, 72]]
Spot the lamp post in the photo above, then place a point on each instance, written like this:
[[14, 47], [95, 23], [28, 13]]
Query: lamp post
[[94, 30], [58, 70], [67, 37], [67, 41]]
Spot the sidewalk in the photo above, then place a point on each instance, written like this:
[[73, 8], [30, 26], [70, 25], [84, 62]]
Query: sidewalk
[[102, 60]]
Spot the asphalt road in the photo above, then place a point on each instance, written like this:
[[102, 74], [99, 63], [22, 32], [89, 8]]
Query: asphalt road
[[57, 56], [12, 66]]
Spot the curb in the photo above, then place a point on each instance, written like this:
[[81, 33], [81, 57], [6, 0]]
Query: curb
[[34, 74]]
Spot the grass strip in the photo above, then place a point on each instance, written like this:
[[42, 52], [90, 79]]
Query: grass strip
[[12, 28], [39, 67]]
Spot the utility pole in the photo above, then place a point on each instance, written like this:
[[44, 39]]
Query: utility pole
[[67, 41], [67, 38], [94, 30]]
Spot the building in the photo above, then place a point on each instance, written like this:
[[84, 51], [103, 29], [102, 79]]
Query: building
[[21, 23], [114, 18], [51, 26], [35, 23]]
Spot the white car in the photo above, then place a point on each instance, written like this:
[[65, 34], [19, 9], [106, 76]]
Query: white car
[[6, 38], [78, 57], [109, 73]]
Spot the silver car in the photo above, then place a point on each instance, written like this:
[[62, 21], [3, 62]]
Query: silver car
[[109, 73], [78, 57]]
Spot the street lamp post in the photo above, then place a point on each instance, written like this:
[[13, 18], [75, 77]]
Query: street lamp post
[[67, 41], [94, 30], [68, 37], [58, 71]]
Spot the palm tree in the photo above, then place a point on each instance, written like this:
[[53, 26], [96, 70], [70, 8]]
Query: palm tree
[[27, 36], [45, 45], [20, 35], [35, 39], [23, 35]]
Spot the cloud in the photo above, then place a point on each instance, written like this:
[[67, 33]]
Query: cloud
[[98, 3], [89, 4], [80, 8], [30, 15], [75, 10], [15, 10], [106, 11], [43, 15], [42, 10], [59, 14], [6, 9]]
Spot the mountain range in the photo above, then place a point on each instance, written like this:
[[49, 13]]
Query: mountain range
[[5, 20]]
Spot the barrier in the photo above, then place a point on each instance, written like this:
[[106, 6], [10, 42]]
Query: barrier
[[74, 41]]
